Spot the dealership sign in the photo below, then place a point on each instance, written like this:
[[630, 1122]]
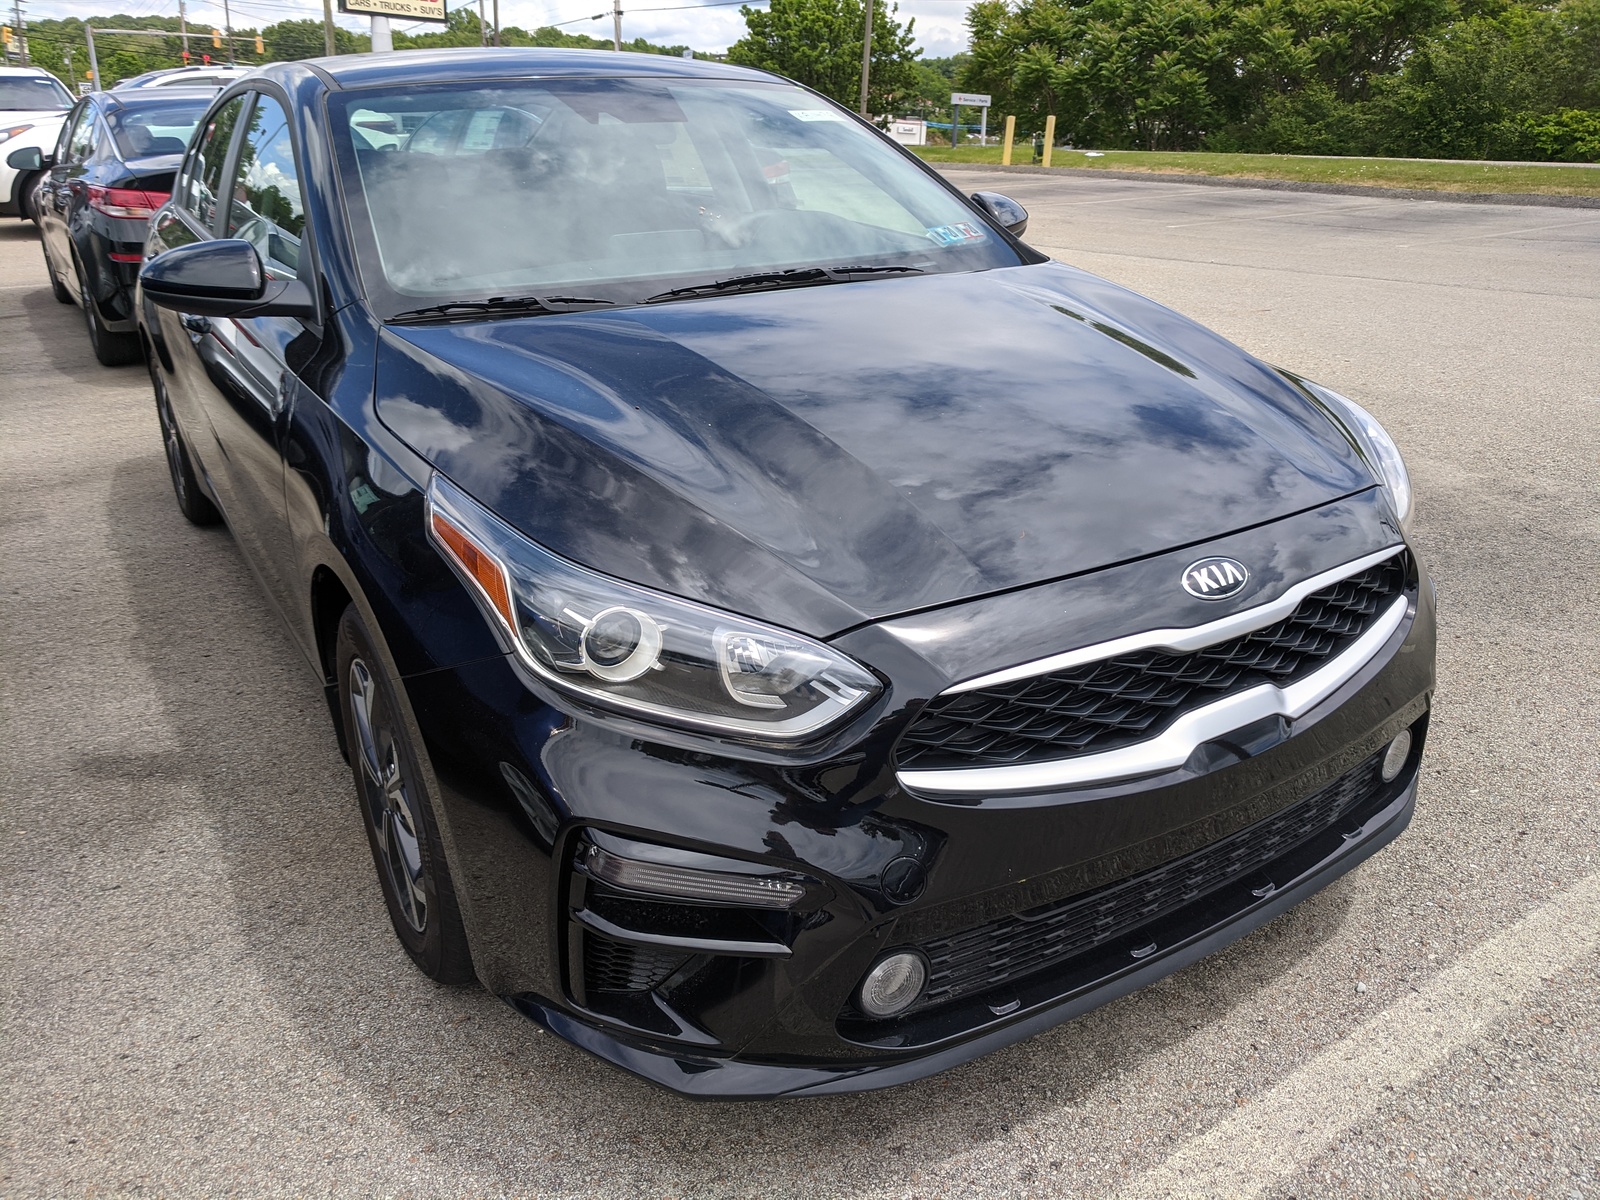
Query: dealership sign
[[968, 100], [410, 10]]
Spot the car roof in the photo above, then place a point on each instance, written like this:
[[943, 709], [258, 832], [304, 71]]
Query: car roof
[[34, 71], [443, 66], [133, 98]]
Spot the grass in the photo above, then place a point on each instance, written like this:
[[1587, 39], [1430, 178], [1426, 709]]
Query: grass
[[1553, 180]]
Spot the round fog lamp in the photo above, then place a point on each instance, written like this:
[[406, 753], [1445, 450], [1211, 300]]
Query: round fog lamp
[[620, 644], [893, 985], [1395, 756]]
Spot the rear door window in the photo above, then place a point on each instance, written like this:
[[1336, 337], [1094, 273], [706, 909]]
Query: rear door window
[[203, 184]]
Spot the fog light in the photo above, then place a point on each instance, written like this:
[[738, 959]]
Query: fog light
[[893, 985], [1395, 756]]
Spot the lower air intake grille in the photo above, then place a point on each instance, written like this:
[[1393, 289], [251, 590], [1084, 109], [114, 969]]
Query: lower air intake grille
[[625, 967], [1119, 701], [1012, 947]]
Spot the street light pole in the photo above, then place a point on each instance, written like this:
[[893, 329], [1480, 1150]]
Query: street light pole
[[866, 58], [328, 44]]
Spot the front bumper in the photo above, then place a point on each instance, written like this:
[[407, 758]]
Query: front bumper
[[524, 785], [1188, 938]]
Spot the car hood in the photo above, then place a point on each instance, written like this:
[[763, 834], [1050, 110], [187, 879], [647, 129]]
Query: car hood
[[32, 116], [825, 456]]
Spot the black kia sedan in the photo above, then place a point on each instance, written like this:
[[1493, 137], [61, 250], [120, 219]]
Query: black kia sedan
[[788, 635], [110, 170]]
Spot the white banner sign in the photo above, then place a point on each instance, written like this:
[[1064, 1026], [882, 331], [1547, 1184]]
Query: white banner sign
[[969, 100], [411, 10]]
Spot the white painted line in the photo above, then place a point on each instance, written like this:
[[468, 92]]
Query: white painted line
[[1339, 209], [1475, 237], [1298, 1119]]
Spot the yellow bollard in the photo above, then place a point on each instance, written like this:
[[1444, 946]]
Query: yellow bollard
[[1049, 137], [1011, 132]]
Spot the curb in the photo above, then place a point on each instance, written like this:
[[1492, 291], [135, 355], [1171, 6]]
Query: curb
[[1285, 185]]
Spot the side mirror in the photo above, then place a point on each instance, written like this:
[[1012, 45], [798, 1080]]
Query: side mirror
[[26, 158], [222, 278], [1010, 215]]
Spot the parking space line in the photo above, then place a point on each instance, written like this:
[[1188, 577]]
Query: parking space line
[[1339, 209], [1475, 237], [1292, 1123]]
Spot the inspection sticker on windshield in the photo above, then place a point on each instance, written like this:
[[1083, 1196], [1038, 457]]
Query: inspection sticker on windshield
[[815, 114], [952, 235]]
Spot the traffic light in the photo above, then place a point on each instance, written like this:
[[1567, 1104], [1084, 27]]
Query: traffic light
[[5, 34], [216, 39], [260, 47]]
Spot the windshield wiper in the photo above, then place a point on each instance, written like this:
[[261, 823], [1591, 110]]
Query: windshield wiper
[[496, 306], [763, 281]]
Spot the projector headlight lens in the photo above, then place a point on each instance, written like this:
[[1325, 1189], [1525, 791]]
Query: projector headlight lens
[[639, 651]]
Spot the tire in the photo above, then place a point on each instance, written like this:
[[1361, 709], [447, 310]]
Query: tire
[[193, 503], [25, 198], [397, 812], [112, 349], [61, 293]]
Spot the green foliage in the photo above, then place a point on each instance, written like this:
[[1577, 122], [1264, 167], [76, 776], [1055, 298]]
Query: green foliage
[[818, 43], [1424, 78], [61, 46]]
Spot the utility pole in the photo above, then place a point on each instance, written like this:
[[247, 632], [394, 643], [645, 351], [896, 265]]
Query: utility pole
[[22, 30], [183, 31], [483, 26], [328, 43], [496, 22], [616, 24], [227, 28], [94, 62], [866, 58]]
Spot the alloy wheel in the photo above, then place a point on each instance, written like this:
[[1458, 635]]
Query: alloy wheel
[[386, 797]]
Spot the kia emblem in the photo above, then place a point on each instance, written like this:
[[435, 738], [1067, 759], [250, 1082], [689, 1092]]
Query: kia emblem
[[1215, 578]]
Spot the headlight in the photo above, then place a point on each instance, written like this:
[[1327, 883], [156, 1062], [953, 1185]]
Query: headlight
[[7, 134], [640, 651], [1375, 445]]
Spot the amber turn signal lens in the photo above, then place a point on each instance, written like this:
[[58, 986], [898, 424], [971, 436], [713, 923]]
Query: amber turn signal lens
[[479, 565]]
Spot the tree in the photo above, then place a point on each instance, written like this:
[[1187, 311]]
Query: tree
[[818, 43]]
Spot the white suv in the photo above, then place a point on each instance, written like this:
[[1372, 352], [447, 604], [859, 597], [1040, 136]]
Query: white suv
[[33, 104], [217, 75]]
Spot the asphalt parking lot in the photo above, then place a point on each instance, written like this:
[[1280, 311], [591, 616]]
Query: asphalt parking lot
[[202, 994]]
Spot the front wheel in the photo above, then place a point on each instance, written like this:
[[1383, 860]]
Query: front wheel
[[401, 829], [193, 503]]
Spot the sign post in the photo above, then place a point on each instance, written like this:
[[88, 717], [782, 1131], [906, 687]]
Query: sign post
[[970, 100]]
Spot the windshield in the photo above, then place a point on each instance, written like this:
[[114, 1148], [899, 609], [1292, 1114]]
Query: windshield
[[38, 93], [623, 189], [150, 127]]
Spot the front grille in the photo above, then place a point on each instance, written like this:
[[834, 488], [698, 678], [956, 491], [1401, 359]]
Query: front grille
[[610, 966], [1133, 697], [1012, 947]]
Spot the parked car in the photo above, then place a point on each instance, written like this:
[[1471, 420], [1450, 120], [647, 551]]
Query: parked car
[[788, 635], [110, 170], [212, 75], [33, 104]]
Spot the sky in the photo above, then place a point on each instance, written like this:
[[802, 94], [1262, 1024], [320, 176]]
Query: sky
[[940, 30]]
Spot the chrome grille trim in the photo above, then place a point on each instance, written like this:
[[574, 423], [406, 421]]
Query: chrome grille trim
[[1173, 746], [1182, 641]]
